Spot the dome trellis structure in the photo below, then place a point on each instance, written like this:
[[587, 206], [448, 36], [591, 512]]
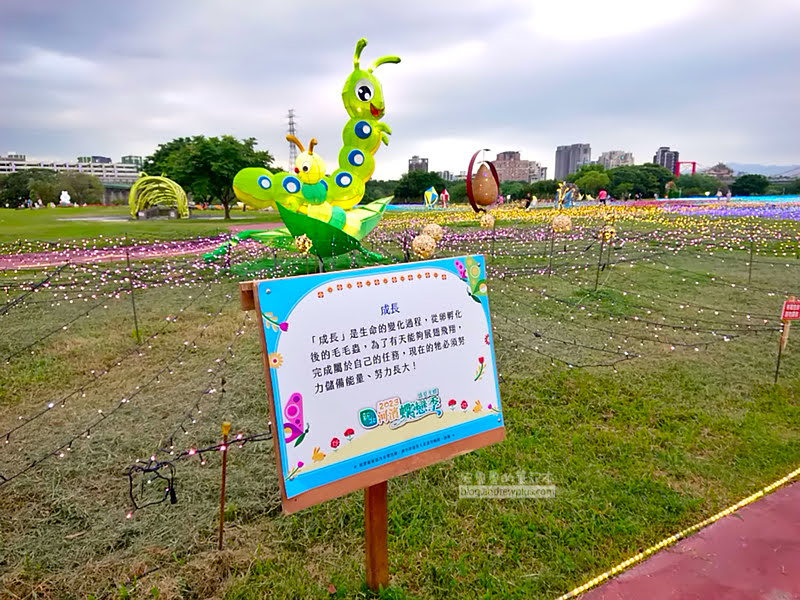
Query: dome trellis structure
[[152, 190]]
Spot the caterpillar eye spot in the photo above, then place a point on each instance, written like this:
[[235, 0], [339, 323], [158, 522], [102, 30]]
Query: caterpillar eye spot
[[291, 184], [263, 182], [362, 129], [355, 158], [344, 179]]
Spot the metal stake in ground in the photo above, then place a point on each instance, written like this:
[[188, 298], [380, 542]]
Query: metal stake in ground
[[599, 260], [494, 231], [226, 427], [782, 341], [133, 300], [375, 535]]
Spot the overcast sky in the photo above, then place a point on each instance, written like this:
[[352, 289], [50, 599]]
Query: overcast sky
[[715, 79]]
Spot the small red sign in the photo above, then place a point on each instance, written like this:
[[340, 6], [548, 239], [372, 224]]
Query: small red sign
[[791, 310]]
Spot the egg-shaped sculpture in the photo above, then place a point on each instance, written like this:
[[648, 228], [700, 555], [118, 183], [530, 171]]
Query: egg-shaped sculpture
[[482, 189]]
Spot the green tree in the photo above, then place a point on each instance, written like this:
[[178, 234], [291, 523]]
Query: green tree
[[458, 192], [411, 187], [205, 167], [592, 182], [376, 189], [698, 184], [158, 161], [638, 181], [16, 188], [82, 187], [661, 174], [516, 189], [583, 170], [622, 191], [792, 187], [750, 185], [648, 179], [546, 188]]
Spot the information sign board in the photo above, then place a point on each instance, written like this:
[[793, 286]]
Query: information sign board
[[376, 372]]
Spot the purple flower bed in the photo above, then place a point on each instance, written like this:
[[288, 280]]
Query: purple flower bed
[[786, 211]]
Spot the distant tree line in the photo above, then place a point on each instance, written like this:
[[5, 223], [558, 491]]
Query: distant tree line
[[647, 180], [205, 168], [46, 185]]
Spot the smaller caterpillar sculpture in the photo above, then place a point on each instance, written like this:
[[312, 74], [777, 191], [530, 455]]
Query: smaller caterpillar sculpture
[[329, 198]]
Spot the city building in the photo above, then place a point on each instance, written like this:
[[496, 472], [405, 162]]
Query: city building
[[104, 160], [106, 172], [416, 163], [132, 160], [446, 175], [569, 158], [15, 156], [722, 172], [666, 158], [510, 167], [615, 158]]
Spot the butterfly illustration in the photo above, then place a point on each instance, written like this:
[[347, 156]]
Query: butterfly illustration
[[293, 425], [471, 274]]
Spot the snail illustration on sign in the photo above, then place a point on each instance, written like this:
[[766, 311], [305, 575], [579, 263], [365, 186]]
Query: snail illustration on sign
[[320, 206]]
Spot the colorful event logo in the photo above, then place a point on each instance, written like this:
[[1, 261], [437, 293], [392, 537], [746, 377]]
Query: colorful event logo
[[396, 413]]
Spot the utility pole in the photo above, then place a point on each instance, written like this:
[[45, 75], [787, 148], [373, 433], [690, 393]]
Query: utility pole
[[293, 132]]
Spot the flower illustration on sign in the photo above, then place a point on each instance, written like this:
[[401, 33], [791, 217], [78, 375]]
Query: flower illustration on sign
[[335, 443], [296, 469], [464, 405], [275, 360], [349, 433], [452, 404], [481, 366], [273, 322]]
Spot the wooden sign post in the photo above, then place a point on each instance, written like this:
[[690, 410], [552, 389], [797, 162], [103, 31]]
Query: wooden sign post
[[790, 312], [373, 373], [376, 536]]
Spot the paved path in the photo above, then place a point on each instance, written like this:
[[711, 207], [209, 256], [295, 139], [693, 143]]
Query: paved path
[[753, 554]]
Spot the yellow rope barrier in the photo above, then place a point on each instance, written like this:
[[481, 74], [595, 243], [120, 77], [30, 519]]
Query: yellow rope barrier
[[674, 538]]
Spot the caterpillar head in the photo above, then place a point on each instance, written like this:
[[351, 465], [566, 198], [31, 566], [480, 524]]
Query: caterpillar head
[[362, 94], [308, 166]]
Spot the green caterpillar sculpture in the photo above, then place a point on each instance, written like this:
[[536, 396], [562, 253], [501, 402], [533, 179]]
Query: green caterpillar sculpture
[[329, 199]]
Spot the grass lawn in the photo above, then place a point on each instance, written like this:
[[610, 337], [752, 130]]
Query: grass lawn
[[106, 224], [684, 421]]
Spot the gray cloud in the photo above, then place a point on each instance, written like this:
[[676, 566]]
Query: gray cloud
[[714, 79]]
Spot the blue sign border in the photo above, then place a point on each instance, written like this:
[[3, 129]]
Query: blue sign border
[[282, 296]]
